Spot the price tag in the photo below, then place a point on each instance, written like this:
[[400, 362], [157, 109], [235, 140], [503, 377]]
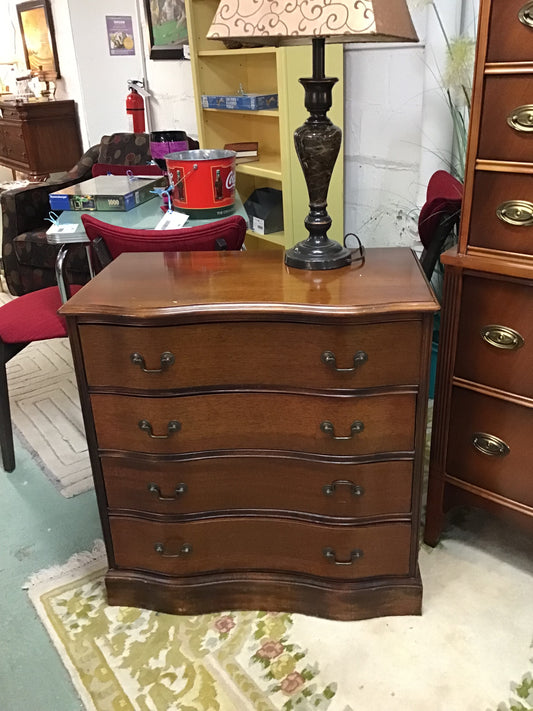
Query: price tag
[[172, 221], [258, 225]]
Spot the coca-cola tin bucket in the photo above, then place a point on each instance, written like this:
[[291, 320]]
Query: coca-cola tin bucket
[[203, 182]]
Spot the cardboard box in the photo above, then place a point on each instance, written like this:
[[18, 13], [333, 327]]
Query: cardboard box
[[242, 102], [265, 210], [107, 192]]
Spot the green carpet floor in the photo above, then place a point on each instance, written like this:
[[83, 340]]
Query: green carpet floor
[[39, 528]]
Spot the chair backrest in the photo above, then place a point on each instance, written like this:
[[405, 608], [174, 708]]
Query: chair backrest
[[228, 233]]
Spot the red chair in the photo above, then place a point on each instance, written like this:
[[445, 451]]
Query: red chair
[[109, 240], [27, 318]]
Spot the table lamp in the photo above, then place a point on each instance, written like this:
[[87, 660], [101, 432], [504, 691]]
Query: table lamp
[[318, 141]]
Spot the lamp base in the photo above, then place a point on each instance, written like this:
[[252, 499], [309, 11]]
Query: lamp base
[[327, 254]]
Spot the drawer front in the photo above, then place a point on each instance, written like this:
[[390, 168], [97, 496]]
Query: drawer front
[[232, 544], [252, 483], [495, 339], [258, 421], [507, 118], [502, 212], [510, 39], [258, 354], [490, 465]]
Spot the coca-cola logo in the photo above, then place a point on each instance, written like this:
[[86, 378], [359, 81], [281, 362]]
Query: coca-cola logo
[[230, 180]]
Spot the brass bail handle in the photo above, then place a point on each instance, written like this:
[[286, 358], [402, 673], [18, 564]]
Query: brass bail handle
[[331, 556], [172, 426], [502, 337], [328, 428], [490, 445], [166, 359], [518, 213], [355, 489], [329, 358], [521, 118], [156, 491], [186, 549], [525, 14]]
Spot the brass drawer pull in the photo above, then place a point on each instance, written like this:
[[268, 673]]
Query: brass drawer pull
[[490, 445], [329, 358], [355, 428], [525, 14], [156, 491], [166, 359], [521, 118], [355, 489], [502, 337], [173, 426], [516, 212], [329, 554], [186, 549]]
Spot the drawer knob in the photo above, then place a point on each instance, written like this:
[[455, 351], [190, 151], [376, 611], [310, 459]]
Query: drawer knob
[[490, 445], [525, 14], [331, 556], [186, 549], [173, 426], [156, 491], [502, 337], [521, 118], [166, 359], [355, 428], [355, 489], [516, 212], [329, 358]]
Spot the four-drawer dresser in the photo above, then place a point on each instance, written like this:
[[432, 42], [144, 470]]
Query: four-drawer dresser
[[482, 442], [256, 432]]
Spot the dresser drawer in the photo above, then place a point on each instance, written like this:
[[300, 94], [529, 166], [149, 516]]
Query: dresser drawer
[[509, 195], [236, 544], [284, 484], [507, 118], [259, 354], [510, 39], [258, 421], [502, 465], [495, 339]]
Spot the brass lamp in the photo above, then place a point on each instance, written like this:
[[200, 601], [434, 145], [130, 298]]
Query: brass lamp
[[318, 141]]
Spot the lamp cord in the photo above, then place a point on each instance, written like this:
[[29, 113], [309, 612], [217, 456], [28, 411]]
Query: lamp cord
[[359, 249]]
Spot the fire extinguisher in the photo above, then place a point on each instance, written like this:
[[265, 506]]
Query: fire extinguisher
[[135, 107]]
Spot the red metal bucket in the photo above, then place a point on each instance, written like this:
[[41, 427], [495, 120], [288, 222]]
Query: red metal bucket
[[203, 182]]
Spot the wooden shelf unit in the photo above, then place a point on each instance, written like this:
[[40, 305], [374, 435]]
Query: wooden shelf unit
[[218, 70]]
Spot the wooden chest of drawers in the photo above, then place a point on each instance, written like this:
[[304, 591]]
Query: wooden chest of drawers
[[39, 137], [482, 444], [256, 432]]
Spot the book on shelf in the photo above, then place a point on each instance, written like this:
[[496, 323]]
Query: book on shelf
[[247, 151]]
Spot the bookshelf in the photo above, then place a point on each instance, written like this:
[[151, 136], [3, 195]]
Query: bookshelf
[[218, 70]]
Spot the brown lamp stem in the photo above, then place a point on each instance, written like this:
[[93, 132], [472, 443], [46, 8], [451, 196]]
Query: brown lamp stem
[[317, 144]]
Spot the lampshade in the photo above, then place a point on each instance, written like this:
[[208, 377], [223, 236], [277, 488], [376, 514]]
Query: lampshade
[[295, 21]]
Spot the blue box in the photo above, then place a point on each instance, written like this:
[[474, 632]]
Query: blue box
[[242, 102]]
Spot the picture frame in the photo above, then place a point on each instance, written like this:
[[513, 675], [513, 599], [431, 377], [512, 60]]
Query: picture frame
[[38, 38], [167, 26]]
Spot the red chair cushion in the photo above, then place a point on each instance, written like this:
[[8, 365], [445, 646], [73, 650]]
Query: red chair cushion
[[33, 316], [444, 197], [186, 239], [110, 169]]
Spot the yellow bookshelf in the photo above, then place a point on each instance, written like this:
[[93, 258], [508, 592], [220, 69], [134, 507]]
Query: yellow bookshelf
[[218, 70]]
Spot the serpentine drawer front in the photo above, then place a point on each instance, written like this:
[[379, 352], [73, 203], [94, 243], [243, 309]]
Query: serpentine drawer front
[[256, 432], [482, 444]]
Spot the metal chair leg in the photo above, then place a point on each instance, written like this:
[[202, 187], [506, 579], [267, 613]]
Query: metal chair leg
[[6, 428]]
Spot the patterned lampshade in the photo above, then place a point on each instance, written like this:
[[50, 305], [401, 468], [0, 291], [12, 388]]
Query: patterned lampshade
[[274, 22]]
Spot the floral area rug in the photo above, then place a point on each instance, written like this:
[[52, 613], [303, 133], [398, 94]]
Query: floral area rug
[[469, 651]]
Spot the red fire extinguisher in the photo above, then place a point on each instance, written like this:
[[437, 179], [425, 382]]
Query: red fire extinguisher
[[135, 109]]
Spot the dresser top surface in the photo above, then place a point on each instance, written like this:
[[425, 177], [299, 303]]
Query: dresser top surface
[[253, 283]]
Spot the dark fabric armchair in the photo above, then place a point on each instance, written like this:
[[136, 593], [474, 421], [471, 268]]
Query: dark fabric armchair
[[28, 259]]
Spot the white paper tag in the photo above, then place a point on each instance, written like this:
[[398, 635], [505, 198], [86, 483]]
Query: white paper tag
[[258, 225], [67, 229], [172, 221]]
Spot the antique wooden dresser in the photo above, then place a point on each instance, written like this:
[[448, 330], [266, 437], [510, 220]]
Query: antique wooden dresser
[[255, 431], [482, 443], [39, 137]]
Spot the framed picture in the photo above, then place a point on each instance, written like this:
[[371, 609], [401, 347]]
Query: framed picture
[[38, 37], [167, 24]]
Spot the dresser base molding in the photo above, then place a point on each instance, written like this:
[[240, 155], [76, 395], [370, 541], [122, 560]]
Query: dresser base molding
[[205, 594]]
